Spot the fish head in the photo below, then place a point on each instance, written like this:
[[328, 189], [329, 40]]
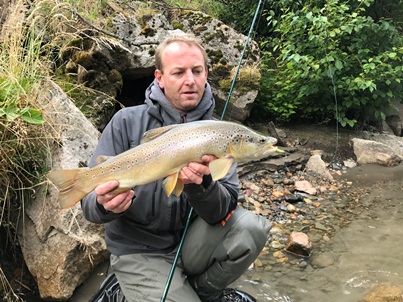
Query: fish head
[[251, 146]]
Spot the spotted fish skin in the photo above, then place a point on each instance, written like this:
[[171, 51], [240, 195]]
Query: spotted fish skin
[[163, 152]]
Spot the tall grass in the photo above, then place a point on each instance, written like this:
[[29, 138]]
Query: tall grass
[[21, 72]]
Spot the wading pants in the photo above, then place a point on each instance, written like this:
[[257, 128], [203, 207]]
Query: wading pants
[[213, 256]]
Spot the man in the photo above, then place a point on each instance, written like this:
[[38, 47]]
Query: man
[[143, 226]]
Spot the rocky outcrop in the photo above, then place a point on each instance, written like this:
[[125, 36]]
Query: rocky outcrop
[[61, 247], [121, 64], [394, 120]]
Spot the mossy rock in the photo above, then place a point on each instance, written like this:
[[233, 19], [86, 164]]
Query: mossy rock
[[83, 58], [177, 25], [248, 78], [214, 55]]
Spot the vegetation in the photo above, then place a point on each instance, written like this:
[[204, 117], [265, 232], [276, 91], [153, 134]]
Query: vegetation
[[326, 60], [23, 131], [332, 62]]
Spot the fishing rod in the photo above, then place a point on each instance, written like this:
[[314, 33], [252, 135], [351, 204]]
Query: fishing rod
[[178, 252]]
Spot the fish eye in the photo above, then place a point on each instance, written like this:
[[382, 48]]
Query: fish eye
[[262, 140]]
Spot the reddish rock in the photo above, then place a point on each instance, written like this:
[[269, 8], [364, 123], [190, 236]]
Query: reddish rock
[[298, 243]]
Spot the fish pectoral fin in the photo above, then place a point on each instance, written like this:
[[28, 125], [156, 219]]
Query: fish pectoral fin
[[170, 182], [220, 167]]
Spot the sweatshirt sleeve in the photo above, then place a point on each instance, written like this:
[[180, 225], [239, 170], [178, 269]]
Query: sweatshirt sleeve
[[213, 200]]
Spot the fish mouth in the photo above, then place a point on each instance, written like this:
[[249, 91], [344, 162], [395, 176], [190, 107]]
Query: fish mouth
[[265, 151]]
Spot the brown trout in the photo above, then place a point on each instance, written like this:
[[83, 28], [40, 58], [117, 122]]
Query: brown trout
[[163, 152]]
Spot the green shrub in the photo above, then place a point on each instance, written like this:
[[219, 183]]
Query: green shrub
[[331, 62]]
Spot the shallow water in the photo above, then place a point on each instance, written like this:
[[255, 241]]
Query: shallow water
[[366, 253]]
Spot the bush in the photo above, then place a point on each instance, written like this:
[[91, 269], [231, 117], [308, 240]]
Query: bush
[[331, 62]]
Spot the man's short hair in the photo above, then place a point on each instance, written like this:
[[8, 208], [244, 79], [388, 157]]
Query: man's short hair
[[189, 39]]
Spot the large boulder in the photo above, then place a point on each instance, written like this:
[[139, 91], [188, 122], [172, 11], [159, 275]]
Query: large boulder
[[61, 247], [372, 152], [121, 64]]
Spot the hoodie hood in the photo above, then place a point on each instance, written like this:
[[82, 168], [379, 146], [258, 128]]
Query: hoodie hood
[[160, 108]]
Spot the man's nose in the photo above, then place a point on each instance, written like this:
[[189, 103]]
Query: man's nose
[[189, 77]]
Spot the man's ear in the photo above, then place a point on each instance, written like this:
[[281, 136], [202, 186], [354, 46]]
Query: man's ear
[[158, 77]]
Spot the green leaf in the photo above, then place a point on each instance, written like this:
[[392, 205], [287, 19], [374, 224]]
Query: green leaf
[[32, 116], [392, 55], [339, 65]]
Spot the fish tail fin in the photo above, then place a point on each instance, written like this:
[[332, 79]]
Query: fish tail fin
[[70, 189]]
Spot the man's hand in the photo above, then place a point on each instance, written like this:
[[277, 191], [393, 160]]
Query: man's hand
[[194, 171], [112, 202]]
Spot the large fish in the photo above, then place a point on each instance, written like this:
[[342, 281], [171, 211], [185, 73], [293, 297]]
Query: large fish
[[163, 152]]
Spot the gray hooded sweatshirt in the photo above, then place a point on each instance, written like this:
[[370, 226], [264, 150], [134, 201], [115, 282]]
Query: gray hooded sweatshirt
[[154, 222]]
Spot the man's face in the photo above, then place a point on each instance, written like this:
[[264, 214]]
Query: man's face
[[184, 75]]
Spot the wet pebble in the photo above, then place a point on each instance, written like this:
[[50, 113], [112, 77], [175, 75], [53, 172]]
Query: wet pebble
[[322, 260]]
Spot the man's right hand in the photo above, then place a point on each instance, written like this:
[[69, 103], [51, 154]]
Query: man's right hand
[[112, 202]]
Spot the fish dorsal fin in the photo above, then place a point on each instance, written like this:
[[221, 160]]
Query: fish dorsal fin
[[102, 158], [220, 167], [154, 133]]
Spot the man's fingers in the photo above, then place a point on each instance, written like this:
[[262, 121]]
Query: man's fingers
[[208, 158], [106, 187], [120, 202]]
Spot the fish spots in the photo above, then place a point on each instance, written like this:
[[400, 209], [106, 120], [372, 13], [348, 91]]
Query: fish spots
[[129, 167], [113, 169], [93, 176], [147, 159]]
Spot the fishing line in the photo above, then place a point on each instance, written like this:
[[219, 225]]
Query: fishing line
[[178, 252], [331, 76]]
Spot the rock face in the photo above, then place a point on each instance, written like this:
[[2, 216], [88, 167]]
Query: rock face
[[61, 247], [123, 67]]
